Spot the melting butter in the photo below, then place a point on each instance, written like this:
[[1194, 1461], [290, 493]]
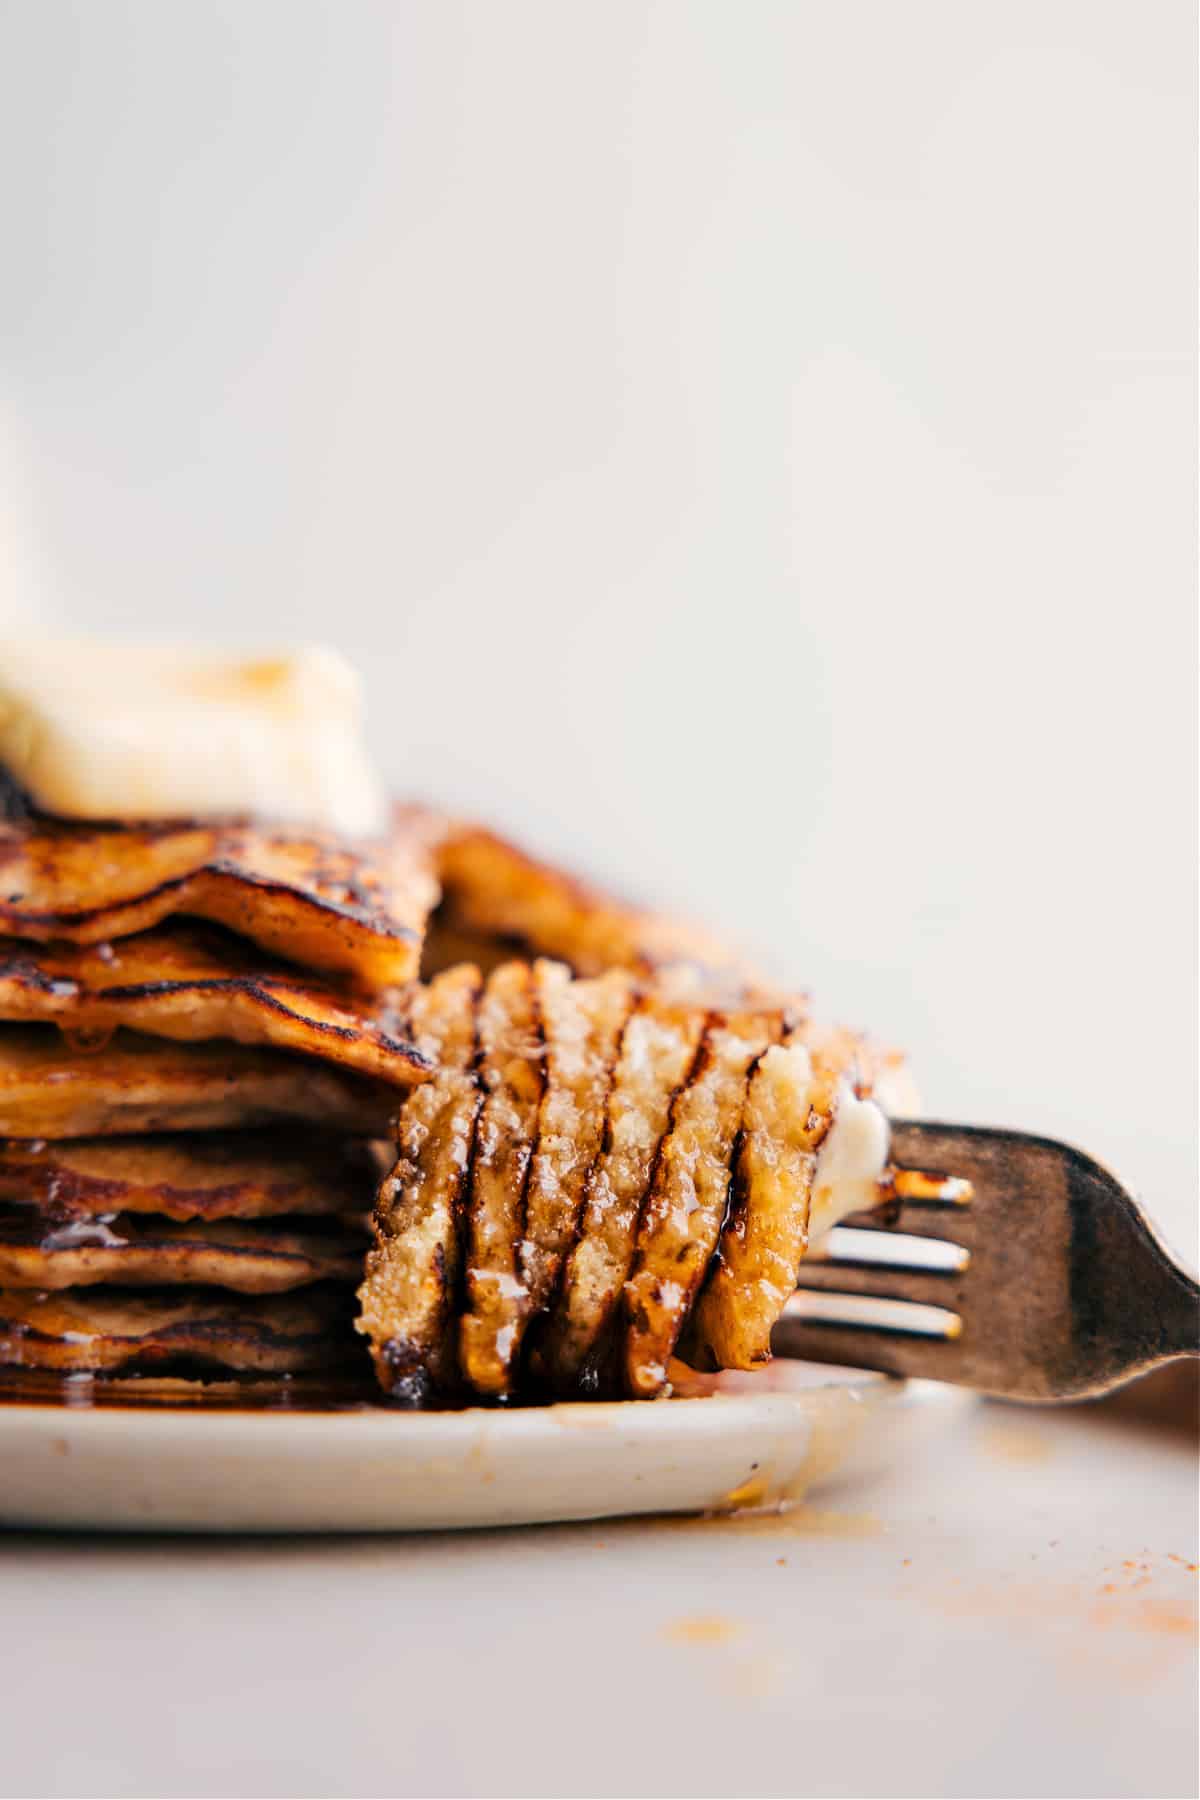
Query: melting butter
[[850, 1162], [119, 731]]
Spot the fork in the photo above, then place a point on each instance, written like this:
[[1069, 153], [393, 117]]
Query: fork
[[1002, 1262]]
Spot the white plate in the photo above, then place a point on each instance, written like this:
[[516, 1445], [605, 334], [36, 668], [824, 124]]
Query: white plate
[[758, 1441]]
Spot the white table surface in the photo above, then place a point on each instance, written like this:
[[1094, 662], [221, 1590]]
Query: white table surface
[[1005, 1610]]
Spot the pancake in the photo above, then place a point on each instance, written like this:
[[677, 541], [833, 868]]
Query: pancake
[[582, 1022], [194, 983], [226, 1175], [111, 1328], [789, 1109], [686, 1204], [356, 907], [658, 1047], [411, 1281], [137, 1250], [494, 890], [512, 1075], [48, 1090]]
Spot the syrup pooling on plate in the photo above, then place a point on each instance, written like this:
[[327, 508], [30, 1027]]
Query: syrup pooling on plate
[[354, 1392], [108, 1330]]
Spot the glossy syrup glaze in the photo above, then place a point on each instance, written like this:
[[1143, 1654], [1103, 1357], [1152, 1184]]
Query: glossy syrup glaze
[[192, 1393], [352, 1389]]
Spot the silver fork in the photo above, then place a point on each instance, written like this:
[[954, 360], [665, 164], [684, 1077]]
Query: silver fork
[[1003, 1262]]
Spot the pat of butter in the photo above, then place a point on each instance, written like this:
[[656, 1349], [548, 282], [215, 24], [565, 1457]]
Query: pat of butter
[[850, 1162], [117, 731], [854, 1152]]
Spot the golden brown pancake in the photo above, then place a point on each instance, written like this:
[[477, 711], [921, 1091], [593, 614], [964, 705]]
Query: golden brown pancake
[[324, 902], [194, 983], [682, 1217], [788, 1112], [203, 1175], [48, 1090], [582, 1022], [495, 890], [412, 1271], [261, 1256], [511, 1070], [658, 1048], [112, 1328]]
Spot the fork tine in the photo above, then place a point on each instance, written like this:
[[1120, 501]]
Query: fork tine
[[925, 1189], [895, 1352], [890, 1333], [884, 1289], [920, 1203], [854, 1247], [876, 1312], [880, 1290], [956, 1225], [884, 1282]]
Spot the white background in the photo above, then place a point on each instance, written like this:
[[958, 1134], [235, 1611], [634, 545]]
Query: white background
[[749, 448]]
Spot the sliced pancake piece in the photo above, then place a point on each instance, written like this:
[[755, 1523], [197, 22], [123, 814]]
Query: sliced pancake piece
[[684, 1211], [871, 1070], [860, 1085], [111, 1328], [48, 1090], [658, 1048], [789, 1109], [194, 983], [354, 906], [492, 888], [136, 1250], [219, 1175], [582, 1022], [412, 1271], [511, 1073]]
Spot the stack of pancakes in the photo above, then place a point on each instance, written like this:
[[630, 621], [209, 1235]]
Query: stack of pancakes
[[203, 1029], [603, 1141], [208, 1034]]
